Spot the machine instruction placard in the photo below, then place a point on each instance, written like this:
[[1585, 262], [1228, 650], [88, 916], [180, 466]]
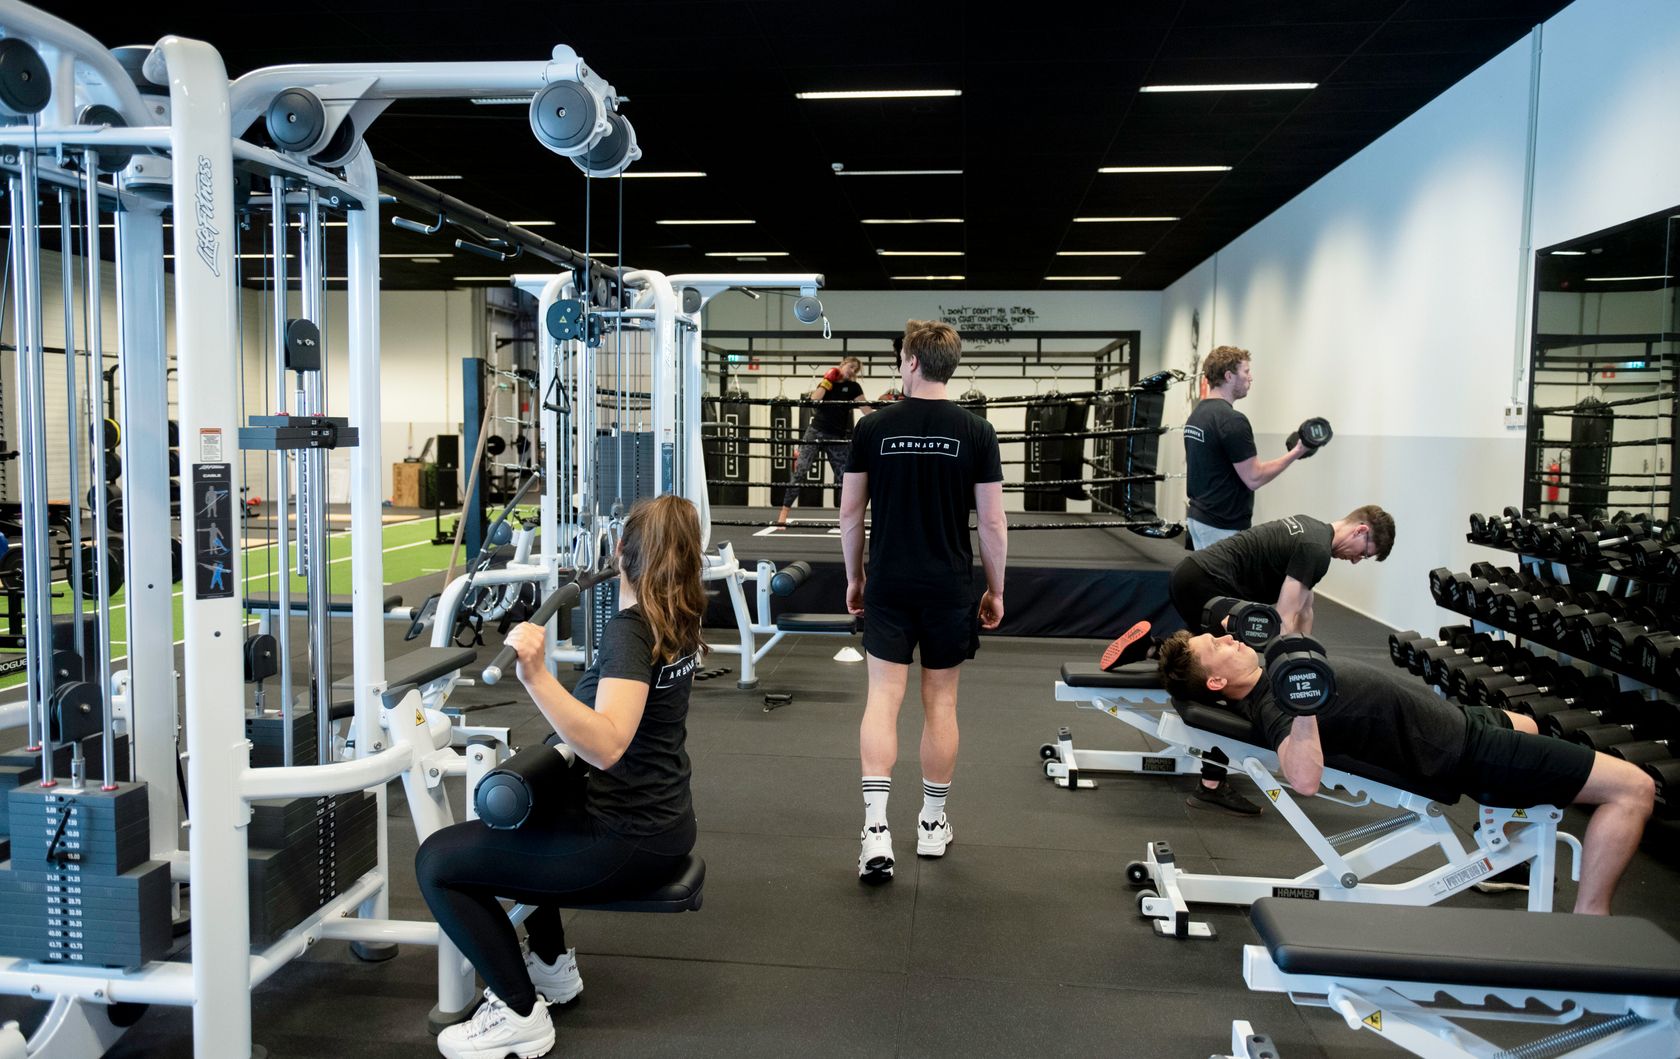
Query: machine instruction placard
[[212, 522]]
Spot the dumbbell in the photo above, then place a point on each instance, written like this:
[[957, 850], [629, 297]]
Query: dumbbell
[[1402, 644], [1461, 679], [1442, 585], [1655, 724], [1255, 624], [1493, 529], [1422, 659], [1444, 669], [1566, 686], [1526, 670], [1656, 656], [1590, 545], [1314, 433], [1565, 723], [1301, 679]]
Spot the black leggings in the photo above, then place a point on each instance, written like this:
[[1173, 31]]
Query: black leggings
[[1190, 588], [463, 869]]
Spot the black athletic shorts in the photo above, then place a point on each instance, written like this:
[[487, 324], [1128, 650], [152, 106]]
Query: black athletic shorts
[[1512, 770], [1190, 588], [947, 635]]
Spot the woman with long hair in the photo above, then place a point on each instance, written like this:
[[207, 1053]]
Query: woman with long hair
[[632, 825]]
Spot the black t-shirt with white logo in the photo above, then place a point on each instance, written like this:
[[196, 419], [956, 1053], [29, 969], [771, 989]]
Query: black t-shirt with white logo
[[1253, 564], [1216, 436], [1376, 719], [833, 415], [646, 792], [924, 459]]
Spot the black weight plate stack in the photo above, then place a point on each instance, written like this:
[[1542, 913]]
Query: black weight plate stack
[[267, 732], [304, 852], [80, 888]]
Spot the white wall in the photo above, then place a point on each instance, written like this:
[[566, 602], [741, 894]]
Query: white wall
[[1386, 298]]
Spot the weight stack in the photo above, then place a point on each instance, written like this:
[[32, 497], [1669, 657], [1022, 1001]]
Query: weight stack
[[1044, 458], [303, 853], [1142, 452], [634, 450], [1590, 432], [80, 888], [725, 453], [603, 604], [267, 733]]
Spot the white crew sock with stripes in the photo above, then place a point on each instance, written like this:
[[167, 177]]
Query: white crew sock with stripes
[[933, 799], [875, 792]]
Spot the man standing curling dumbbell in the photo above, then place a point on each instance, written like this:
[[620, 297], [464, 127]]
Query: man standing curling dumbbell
[[1220, 460], [830, 431], [1396, 725], [1276, 562]]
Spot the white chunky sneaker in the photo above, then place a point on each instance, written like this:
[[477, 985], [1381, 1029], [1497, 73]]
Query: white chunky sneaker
[[495, 1030], [875, 862], [932, 836], [560, 981]]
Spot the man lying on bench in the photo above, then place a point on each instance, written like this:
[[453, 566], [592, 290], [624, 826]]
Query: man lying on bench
[[1397, 726]]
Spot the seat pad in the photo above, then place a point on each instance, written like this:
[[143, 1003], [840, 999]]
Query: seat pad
[[1130, 675], [1470, 946], [816, 623], [681, 894]]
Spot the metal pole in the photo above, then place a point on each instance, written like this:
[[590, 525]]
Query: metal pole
[[320, 614], [101, 510], [22, 328], [282, 511], [68, 282]]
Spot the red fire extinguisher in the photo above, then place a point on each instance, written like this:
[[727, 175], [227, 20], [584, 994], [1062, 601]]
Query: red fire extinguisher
[[1554, 477]]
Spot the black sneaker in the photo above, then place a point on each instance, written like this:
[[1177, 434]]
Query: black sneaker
[[1222, 797]]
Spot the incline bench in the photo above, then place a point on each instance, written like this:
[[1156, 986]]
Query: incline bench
[[1344, 861], [1385, 969]]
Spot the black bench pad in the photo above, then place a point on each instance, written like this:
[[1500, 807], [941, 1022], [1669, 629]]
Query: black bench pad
[[681, 894], [422, 666], [300, 603], [1470, 946], [1131, 675], [816, 623]]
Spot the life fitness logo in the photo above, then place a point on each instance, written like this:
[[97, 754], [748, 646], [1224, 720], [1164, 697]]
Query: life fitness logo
[[209, 248], [908, 446]]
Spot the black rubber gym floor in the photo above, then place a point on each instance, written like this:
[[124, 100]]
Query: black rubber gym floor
[[1022, 940]]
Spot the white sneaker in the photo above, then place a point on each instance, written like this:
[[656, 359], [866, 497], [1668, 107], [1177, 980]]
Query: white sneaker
[[875, 862], [560, 981], [932, 836], [495, 1030]]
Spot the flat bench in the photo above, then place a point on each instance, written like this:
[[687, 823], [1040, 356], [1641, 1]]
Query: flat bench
[[1383, 969], [843, 624]]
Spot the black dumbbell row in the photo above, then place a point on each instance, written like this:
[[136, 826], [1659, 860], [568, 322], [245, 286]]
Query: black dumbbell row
[[1630, 545], [1628, 636]]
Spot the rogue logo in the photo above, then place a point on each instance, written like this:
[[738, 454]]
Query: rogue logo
[[209, 249]]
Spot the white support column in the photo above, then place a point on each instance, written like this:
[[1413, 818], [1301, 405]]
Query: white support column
[[146, 516], [201, 150], [367, 563]]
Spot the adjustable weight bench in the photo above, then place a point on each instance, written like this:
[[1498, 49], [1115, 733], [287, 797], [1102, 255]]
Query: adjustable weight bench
[[1608, 985], [1345, 860], [1131, 693]]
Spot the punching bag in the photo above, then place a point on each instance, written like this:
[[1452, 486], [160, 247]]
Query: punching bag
[[1044, 458]]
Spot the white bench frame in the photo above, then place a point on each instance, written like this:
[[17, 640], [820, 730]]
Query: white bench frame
[[1409, 1014], [1418, 824]]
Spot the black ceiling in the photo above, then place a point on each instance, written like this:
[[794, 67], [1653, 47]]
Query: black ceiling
[[1048, 95]]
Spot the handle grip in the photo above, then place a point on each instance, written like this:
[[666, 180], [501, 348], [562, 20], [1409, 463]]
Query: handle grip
[[566, 595]]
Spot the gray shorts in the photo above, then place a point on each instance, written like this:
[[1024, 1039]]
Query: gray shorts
[[1203, 535]]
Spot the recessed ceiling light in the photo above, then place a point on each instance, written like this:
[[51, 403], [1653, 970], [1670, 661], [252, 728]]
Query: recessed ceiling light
[[748, 253], [890, 93], [703, 220], [482, 279], [411, 257], [657, 174], [532, 224], [1165, 169], [898, 172], [1622, 279], [427, 260], [1080, 279], [929, 278], [912, 220], [438, 176], [920, 253], [1099, 253], [1569, 253], [1119, 220], [1273, 86]]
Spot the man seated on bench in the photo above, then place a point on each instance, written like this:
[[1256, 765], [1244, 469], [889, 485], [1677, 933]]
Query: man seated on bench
[[628, 830], [1398, 726]]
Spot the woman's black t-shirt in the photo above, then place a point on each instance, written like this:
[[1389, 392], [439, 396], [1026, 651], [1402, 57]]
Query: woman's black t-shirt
[[646, 792]]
